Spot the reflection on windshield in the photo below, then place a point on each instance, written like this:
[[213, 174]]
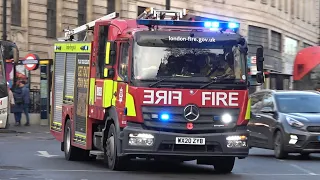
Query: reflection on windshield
[[299, 103], [154, 62]]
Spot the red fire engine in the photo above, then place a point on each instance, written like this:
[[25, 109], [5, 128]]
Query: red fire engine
[[153, 87], [306, 71]]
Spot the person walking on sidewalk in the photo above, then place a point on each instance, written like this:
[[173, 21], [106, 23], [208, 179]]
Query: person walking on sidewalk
[[22, 99]]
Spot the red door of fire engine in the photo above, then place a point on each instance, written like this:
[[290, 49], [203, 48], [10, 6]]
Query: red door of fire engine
[[123, 77]]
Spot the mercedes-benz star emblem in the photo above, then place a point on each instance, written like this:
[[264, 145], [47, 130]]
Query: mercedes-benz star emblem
[[191, 112]]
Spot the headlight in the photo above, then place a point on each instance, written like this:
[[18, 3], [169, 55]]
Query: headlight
[[226, 118], [294, 122]]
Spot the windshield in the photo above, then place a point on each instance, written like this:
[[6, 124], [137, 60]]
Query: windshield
[[298, 103], [186, 57]]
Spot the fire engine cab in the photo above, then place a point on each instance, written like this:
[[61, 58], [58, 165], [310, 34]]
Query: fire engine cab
[[155, 87]]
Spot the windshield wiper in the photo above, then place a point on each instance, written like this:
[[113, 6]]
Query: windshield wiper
[[160, 80], [216, 79]]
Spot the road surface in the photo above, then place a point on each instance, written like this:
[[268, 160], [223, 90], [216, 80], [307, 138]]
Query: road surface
[[31, 156]]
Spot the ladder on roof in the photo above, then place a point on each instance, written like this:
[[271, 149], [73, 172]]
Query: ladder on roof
[[69, 33], [151, 13]]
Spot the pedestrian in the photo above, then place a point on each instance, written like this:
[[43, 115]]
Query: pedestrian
[[17, 108], [26, 100], [22, 100]]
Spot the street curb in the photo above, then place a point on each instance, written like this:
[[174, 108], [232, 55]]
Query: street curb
[[8, 131]]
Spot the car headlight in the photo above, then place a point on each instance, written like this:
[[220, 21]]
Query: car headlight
[[293, 122]]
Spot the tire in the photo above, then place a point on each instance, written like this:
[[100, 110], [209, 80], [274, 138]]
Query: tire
[[278, 144], [72, 153], [224, 164], [111, 158]]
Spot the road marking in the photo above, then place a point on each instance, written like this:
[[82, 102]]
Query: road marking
[[45, 154], [303, 169]]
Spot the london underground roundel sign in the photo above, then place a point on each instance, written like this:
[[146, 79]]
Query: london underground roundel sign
[[31, 62]]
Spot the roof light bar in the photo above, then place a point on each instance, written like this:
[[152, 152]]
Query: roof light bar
[[206, 24]]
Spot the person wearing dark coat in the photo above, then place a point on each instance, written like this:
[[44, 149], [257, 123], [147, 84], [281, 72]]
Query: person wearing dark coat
[[22, 99], [17, 108]]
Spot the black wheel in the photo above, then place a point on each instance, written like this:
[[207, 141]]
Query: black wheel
[[72, 153], [279, 151], [111, 157], [224, 164]]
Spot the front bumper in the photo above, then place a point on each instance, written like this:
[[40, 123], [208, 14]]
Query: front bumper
[[164, 144], [301, 141]]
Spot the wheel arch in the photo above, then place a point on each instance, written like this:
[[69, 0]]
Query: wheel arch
[[111, 117]]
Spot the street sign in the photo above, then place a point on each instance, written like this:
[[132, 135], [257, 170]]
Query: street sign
[[31, 62]]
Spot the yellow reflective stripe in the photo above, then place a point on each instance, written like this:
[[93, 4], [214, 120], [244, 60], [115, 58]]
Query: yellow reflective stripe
[[105, 72], [107, 93], [248, 110], [80, 135], [131, 110], [107, 59], [115, 88], [92, 91], [72, 47]]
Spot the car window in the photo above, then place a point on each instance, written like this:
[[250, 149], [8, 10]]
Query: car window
[[268, 101]]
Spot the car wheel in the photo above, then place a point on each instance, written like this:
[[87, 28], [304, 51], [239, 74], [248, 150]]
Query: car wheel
[[279, 151], [111, 157], [224, 164]]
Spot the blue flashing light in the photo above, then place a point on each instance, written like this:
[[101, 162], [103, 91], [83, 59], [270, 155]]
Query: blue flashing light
[[164, 117], [233, 25], [206, 24]]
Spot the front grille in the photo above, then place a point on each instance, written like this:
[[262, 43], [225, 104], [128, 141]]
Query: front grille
[[214, 147], [313, 128], [313, 145], [208, 120]]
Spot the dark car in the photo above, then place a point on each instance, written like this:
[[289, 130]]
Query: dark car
[[285, 121]]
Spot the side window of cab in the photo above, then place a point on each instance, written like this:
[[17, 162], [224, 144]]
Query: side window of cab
[[124, 60]]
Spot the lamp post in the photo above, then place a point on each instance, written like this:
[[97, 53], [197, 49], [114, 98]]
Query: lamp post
[[4, 20]]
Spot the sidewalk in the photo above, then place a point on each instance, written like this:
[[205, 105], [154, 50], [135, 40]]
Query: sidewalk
[[26, 129]]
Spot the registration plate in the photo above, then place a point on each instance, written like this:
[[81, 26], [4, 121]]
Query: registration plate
[[190, 141]]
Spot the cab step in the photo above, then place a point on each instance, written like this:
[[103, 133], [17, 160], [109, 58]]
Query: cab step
[[97, 153]]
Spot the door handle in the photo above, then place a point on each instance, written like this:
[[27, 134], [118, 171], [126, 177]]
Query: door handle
[[258, 116]]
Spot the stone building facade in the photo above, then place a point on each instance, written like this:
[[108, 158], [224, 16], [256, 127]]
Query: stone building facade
[[281, 26]]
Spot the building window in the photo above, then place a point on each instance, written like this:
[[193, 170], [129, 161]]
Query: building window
[[275, 41], [290, 46], [258, 35], [51, 18], [16, 12], [273, 3], [305, 45], [111, 6], [292, 9], [82, 16], [140, 10]]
